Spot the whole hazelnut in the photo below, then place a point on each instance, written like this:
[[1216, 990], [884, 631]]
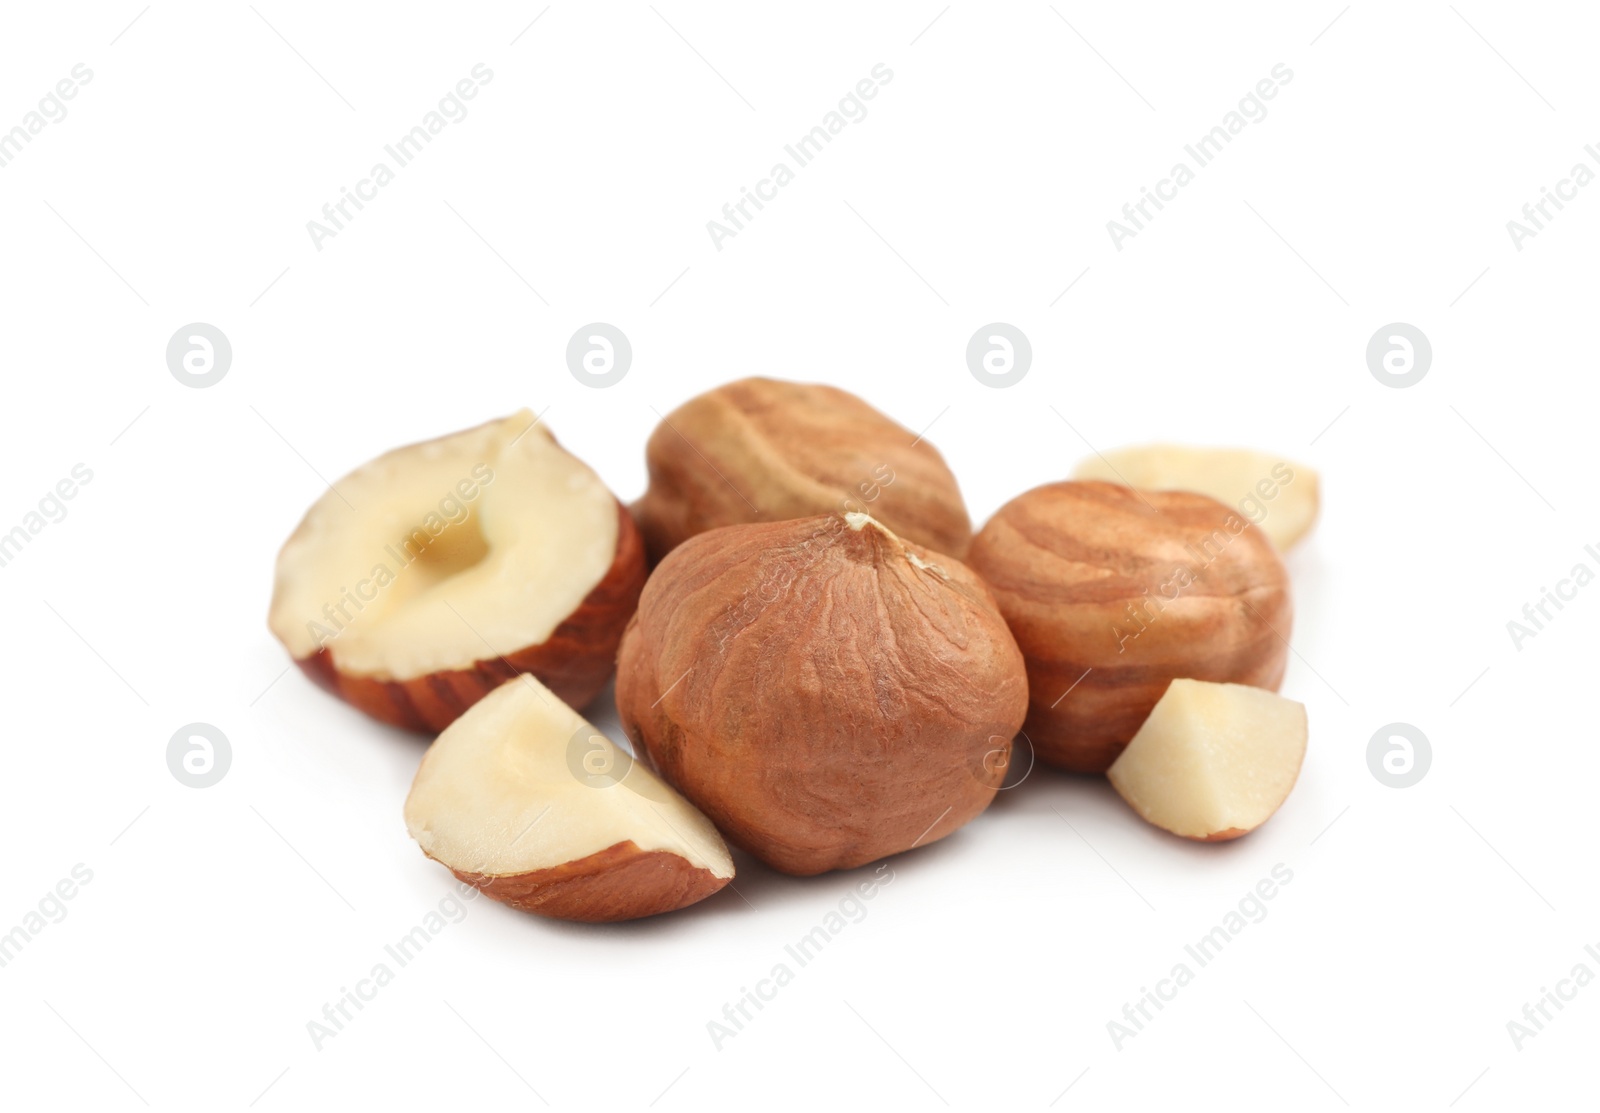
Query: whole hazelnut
[[760, 450], [826, 692], [1112, 593]]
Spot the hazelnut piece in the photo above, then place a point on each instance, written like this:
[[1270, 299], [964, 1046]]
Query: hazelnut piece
[[1279, 496], [1213, 761], [434, 573], [503, 800]]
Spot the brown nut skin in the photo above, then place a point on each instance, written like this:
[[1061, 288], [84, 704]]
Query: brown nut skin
[[620, 882], [574, 662], [819, 691], [761, 450], [1091, 577]]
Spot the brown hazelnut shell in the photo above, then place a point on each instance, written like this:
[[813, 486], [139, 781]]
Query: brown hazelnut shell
[[826, 694], [620, 882], [762, 450], [1083, 572]]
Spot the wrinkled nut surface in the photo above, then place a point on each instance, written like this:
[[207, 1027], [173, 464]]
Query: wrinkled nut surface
[[434, 573], [825, 691], [502, 800], [760, 450], [1213, 761], [1112, 593], [1280, 497]]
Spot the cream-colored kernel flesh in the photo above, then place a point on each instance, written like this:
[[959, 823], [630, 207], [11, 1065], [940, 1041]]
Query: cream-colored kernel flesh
[[502, 792], [437, 555], [1279, 496], [1212, 759]]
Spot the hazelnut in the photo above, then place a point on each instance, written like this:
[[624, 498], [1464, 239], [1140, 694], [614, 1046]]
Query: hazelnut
[[1213, 761], [1112, 593], [500, 800], [826, 692], [760, 450], [1279, 496], [429, 576]]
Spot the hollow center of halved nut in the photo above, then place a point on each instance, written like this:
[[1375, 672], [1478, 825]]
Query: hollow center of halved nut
[[459, 549], [436, 555]]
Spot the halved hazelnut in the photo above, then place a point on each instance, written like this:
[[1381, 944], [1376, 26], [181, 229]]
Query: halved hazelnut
[[434, 573], [1112, 593], [502, 799], [1279, 496], [1213, 761], [761, 450], [825, 691]]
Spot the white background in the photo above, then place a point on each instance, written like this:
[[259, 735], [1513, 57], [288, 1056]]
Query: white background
[[1377, 189]]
